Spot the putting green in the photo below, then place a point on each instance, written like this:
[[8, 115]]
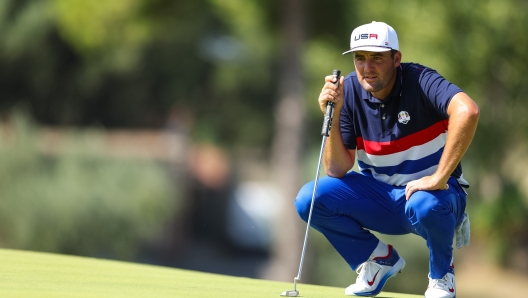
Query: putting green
[[35, 274]]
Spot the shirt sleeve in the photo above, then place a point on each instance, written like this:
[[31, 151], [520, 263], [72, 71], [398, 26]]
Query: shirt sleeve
[[346, 122], [438, 90]]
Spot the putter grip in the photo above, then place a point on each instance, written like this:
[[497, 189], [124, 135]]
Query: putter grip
[[327, 124]]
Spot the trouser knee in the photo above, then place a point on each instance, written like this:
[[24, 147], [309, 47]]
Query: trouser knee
[[304, 200], [425, 210]]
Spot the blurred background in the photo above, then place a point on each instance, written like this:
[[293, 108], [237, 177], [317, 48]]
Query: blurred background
[[178, 132]]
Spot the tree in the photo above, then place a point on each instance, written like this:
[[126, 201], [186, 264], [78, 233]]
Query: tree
[[288, 139]]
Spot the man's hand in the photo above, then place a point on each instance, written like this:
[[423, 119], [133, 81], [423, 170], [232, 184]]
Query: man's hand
[[462, 232], [331, 92], [425, 183]]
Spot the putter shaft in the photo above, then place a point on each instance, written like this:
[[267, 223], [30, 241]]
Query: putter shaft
[[310, 213], [325, 133], [294, 292]]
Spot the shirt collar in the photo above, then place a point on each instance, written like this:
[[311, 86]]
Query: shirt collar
[[395, 92]]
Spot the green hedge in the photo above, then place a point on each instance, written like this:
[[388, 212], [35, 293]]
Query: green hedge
[[78, 203]]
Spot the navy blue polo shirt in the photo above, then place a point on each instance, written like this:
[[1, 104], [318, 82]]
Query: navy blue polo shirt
[[401, 138]]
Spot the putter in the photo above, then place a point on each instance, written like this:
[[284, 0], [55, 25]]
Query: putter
[[325, 132]]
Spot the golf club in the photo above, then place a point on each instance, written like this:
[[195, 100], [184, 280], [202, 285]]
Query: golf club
[[325, 133]]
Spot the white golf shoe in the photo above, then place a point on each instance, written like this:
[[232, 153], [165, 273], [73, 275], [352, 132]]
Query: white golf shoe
[[373, 274], [444, 287]]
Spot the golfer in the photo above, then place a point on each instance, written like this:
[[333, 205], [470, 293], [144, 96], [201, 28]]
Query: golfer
[[408, 127]]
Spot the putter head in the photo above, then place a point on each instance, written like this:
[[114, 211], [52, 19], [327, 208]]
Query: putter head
[[290, 293]]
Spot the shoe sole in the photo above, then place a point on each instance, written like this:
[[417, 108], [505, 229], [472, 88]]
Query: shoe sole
[[397, 268]]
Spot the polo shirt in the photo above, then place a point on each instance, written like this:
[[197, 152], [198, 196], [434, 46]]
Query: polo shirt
[[401, 138]]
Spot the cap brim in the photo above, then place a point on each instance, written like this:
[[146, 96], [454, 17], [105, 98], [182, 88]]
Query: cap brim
[[368, 49]]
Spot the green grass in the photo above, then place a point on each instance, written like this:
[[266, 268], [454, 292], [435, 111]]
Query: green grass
[[35, 274]]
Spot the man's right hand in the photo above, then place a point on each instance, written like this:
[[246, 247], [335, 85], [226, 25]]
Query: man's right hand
[[331, 92]]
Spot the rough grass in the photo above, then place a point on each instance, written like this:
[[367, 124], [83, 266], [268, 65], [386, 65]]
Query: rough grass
[[35, 274]]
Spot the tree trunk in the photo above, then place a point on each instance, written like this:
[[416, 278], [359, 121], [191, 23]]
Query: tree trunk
[[286, 150]]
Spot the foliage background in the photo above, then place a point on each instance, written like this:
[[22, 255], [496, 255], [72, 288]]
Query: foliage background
[[212, 71]]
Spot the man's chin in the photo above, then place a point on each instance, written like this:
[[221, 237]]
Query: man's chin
[[368, 87]]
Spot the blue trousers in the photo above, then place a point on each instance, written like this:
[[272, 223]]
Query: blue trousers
[[346, 209]]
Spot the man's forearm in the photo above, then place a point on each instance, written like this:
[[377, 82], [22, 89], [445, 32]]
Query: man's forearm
[[462, 126], [337, 160]]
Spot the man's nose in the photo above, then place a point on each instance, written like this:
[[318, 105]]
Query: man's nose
[[369, 65]]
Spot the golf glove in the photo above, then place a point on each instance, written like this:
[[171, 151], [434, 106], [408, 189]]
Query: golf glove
[[462, 232]]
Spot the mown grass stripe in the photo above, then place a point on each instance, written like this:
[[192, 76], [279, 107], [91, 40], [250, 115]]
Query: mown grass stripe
[[36, 274]]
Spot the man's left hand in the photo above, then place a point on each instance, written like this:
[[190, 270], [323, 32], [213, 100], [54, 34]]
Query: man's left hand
[[425, 183], [463, 232]]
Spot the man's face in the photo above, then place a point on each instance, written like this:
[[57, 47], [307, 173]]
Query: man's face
[[376, 71]]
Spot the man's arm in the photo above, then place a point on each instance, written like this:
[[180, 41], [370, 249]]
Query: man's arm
[[463, 118], [337, 160]]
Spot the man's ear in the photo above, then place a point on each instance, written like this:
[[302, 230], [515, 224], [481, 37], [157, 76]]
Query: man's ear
[[397, 59]]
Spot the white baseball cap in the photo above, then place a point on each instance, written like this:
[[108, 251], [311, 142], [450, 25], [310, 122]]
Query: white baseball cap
[[373, 37]]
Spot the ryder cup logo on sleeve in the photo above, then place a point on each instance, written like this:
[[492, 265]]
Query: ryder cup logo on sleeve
[[373, 37], [403, 117]]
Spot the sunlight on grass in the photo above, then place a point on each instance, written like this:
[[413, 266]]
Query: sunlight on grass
[[34, 274]]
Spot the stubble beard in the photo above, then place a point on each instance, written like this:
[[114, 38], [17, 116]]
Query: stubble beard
[[378, 85], [372, 87]]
